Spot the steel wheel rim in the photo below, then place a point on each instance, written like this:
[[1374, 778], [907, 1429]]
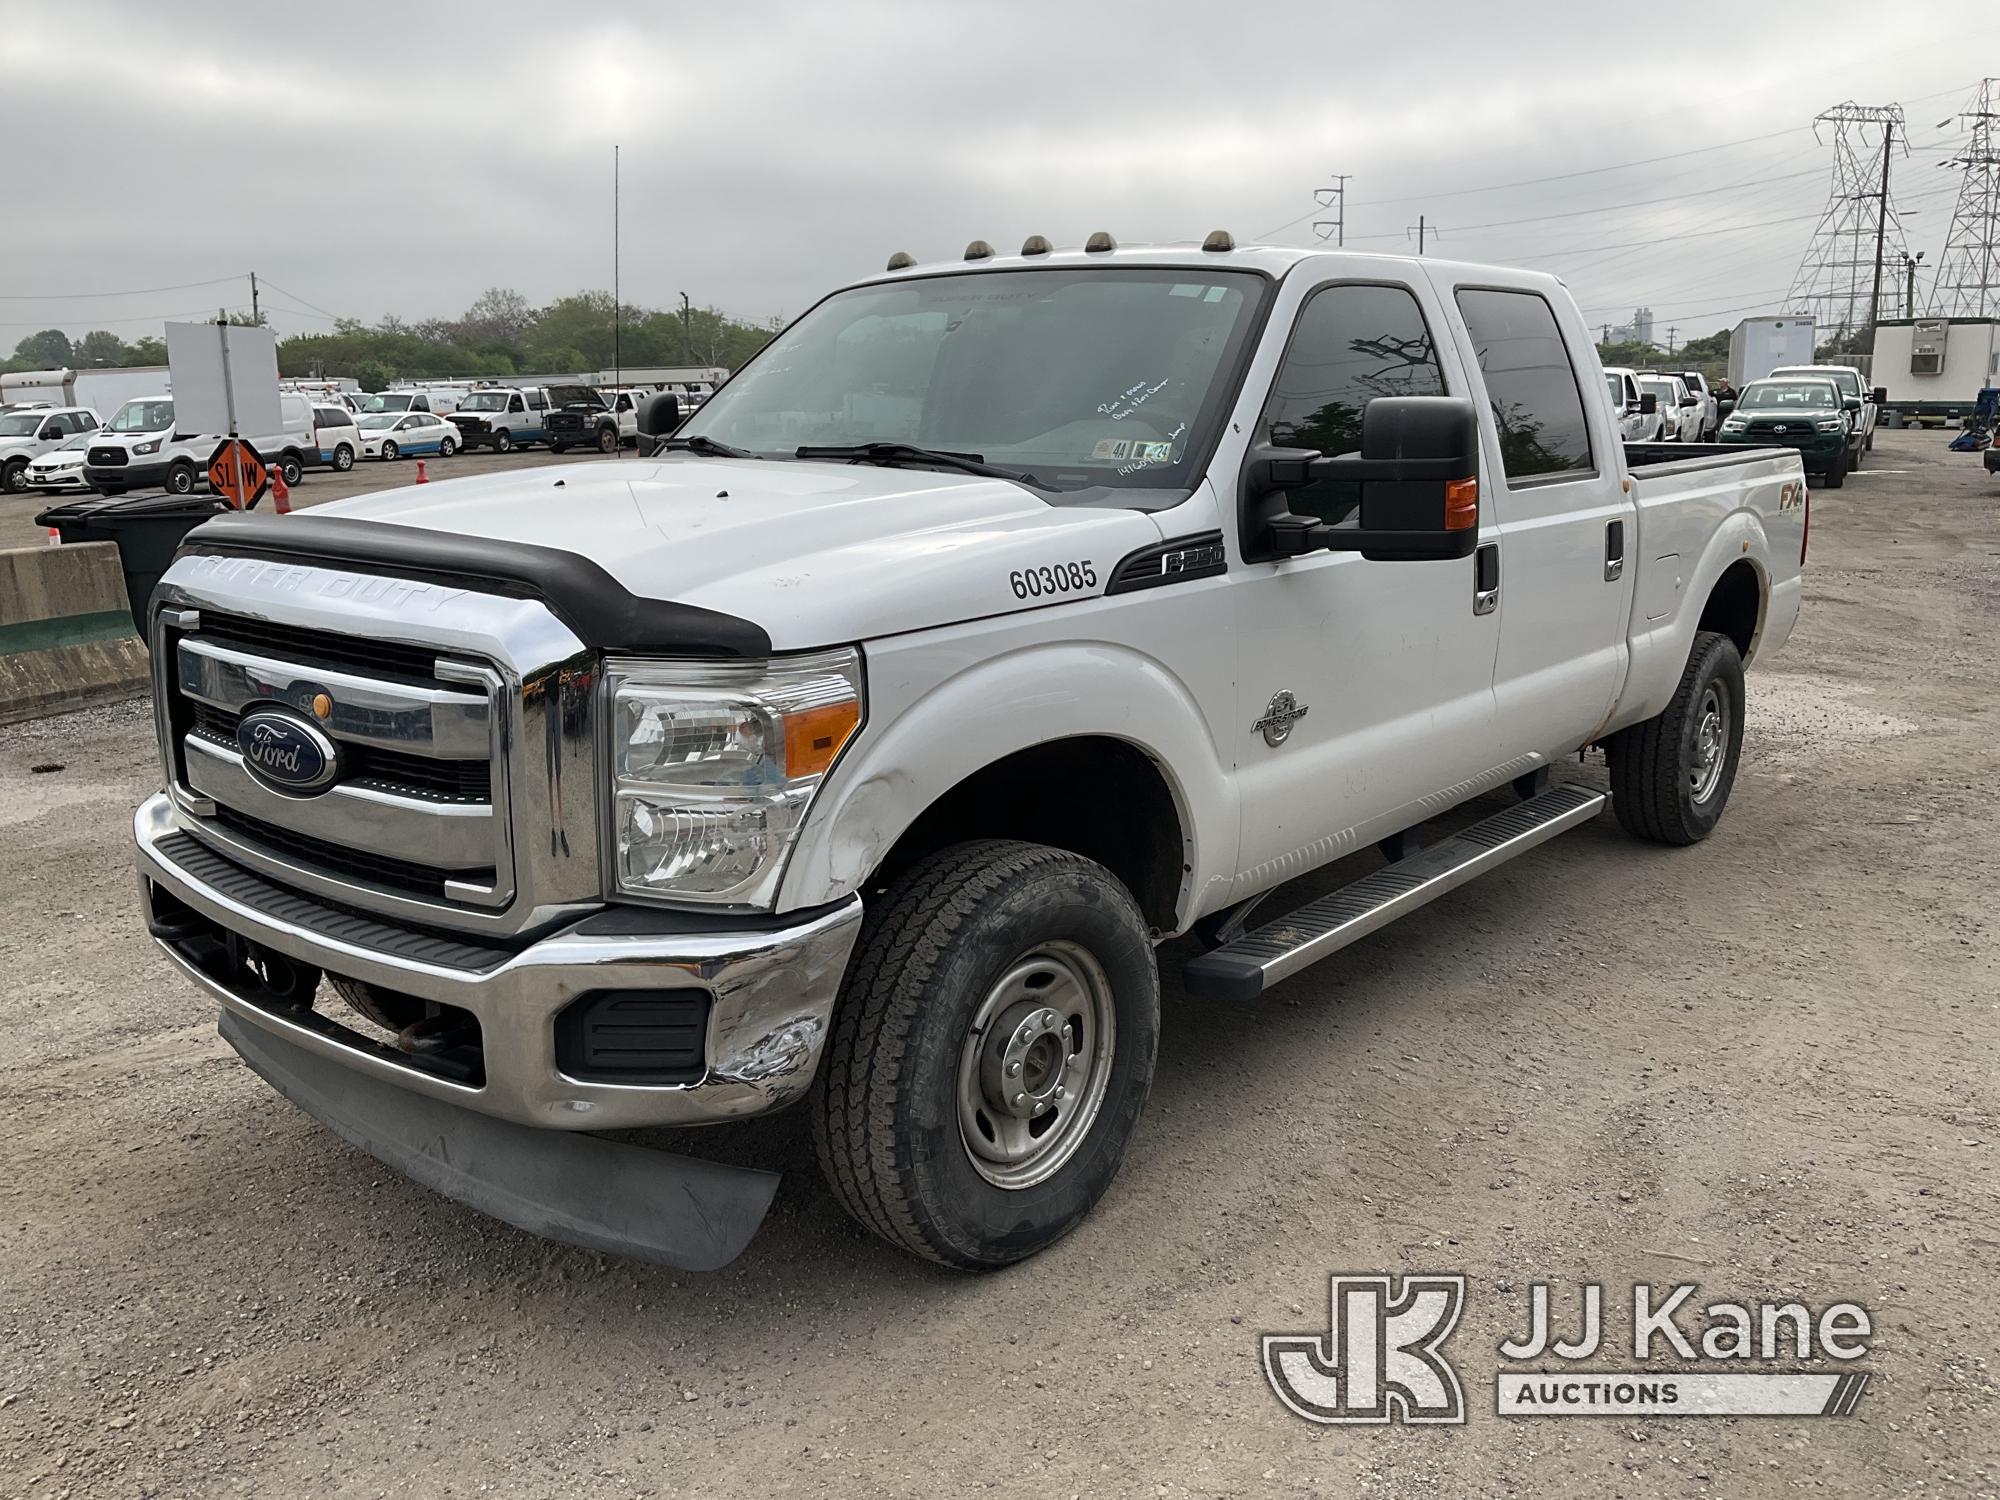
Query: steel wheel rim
[[1711, 743], [1035, 1065]]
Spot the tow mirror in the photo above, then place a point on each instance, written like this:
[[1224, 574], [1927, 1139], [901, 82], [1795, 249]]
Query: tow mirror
[[1689, 401], [1648, 404], [660, 415], [1880, 395], [1418, 478], [1852, 403]]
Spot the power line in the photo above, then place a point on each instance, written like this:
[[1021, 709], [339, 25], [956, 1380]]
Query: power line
[[144, 291], [294, 296]]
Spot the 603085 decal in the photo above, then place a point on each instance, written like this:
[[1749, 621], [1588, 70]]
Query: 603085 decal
[[1054, 578]]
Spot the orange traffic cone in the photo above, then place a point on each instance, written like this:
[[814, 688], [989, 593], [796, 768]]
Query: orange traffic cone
[[281, 493], [422, 477]]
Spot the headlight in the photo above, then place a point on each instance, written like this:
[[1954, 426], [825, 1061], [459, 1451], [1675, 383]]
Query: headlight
[[1832, 424], [152, 447], [713, 767], [1735, 424]]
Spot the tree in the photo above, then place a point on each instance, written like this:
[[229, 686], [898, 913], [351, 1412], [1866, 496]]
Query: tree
[[374, 375], [146, 352], [499, 315], [47, 350], [100, 348]]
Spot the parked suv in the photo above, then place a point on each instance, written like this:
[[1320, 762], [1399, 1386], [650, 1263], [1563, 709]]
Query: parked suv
[[26, 432], [1857, 401]]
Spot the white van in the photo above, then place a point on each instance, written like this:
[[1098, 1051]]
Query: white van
[[140, 448]]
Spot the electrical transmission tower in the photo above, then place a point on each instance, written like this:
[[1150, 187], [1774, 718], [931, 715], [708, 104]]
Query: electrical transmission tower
[[1839, 282], [1968, 273]]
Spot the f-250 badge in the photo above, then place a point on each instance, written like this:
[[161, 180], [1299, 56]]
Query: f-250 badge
[[1284, 711]]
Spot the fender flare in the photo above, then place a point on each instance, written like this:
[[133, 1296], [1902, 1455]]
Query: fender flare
[[1659, 653], [920, 749]]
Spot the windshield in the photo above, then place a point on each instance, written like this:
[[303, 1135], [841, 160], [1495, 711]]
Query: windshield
[[1664, 389], [1845, 381], [388, 403], [1788, 395], [1082, 378], [377, 421], [21, 423], [78, 443], [484, 401], [150, 415]]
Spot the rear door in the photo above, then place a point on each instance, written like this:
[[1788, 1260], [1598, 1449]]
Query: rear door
[[1552, 477]]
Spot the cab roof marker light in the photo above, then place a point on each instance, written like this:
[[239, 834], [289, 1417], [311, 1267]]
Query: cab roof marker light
[[979, 250], [1099, 243], [1036, 244], [1219, 240], [902, 260]]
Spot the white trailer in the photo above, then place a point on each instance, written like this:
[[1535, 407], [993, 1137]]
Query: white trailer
[[105, 390], [38, 388], [1757, 346], [1932, 369]]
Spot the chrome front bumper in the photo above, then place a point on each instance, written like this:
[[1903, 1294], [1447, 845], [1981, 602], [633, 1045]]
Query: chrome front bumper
[[771, 992]]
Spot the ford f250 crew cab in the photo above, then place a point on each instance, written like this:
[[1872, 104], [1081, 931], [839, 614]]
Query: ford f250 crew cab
[[861, 748]]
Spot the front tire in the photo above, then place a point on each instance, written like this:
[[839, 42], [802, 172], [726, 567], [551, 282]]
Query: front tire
[[180, 479], [1836, 472], [607, 440], [389, 453], [503, 441], [1671, 775], [990, 1051]]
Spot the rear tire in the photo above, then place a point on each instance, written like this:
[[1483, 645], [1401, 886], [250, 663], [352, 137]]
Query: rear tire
[[343, 459], [447, 447], [1671, 775], [988, 967], [293, 468], [14, 477]]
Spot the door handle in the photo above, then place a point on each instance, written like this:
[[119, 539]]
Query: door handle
[[1486, 579], [1614, 551]]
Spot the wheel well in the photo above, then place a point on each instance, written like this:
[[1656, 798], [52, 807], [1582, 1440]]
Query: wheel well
[[1735, 606], [1098, 797]]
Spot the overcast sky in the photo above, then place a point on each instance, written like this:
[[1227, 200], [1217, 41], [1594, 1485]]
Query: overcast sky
[[368, 159]]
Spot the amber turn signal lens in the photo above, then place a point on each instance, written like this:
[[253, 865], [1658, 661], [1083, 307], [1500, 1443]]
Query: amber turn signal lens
[[1461, 504], [813, 737]]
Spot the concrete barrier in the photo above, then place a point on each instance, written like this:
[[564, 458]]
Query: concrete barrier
[[66, 636]]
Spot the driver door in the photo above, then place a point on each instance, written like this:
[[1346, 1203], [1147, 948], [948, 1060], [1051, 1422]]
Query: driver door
[[1391, 663]]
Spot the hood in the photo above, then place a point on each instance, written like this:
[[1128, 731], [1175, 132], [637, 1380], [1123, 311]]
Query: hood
[[817, 554]]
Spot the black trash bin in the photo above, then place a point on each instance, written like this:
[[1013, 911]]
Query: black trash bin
[[147, 530]]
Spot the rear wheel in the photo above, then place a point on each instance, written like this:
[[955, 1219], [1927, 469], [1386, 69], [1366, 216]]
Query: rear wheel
[[180, 479], [447, 447], [343, 459], [989, 1054], [293, 468], [1671, 775]]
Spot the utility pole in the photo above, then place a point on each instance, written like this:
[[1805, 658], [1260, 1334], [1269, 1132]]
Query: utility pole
[[1671, 331], [255, 316], [1910, 282], [1881, 227], [1421, 229], [687, 332], [1334, 197], [617, 304]]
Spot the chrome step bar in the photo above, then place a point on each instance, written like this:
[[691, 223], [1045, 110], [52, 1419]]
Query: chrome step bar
[[1253, 963]]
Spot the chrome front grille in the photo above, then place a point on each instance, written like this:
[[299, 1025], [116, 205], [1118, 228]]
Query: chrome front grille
[[442, 743]]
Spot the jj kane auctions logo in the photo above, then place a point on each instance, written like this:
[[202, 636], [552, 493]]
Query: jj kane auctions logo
[[1382, 1358]]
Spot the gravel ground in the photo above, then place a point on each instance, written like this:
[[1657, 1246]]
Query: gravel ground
[[1763, 1064]]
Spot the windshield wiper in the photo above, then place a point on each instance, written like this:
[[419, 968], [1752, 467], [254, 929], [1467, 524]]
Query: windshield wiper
[[699, 443], [909, 453]]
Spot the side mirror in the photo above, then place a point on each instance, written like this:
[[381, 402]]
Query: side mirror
[[1690, 401], [1648, 404], [1418, 475], [659, 415], [1880, 395], [1724, 407], [1852, 403]]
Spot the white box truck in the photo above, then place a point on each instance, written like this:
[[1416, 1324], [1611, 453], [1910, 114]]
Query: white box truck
[[1757, 346], [1932, 369]]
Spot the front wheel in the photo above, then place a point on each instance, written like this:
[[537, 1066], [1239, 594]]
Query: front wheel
[[1836, 472], [503, 441], [607, 440], [389, 453], [990, 1051], [343, 459], [180, 479], [1671, 775], [558, 448]]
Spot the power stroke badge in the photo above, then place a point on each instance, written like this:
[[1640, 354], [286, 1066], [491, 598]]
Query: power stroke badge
[[1382, 1358]]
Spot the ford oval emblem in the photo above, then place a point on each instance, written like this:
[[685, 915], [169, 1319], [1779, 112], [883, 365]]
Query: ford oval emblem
[[287, 752]]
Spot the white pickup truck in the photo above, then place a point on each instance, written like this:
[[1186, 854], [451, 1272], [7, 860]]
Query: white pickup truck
[[998, 622]]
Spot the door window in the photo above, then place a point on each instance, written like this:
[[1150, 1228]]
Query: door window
[[1537, 403], [1350, 345]]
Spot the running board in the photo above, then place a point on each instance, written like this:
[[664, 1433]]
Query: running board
[[1253, 963]]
